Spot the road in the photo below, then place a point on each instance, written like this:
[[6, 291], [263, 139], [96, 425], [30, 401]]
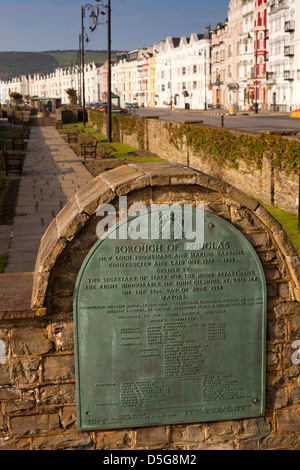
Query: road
[[252, 122]]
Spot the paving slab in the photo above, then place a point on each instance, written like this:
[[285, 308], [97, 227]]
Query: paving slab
[[15, 293], [52, 174], [5, 232]]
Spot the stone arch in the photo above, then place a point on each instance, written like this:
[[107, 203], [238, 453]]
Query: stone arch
[[132, 178], [70, 238]]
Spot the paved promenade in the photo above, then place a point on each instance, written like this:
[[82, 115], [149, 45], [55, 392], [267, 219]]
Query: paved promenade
[[52, 175]]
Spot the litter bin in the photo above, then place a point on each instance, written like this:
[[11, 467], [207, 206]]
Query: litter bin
[[232, 109]]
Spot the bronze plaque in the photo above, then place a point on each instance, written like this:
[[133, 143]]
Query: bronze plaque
[[168, 331]]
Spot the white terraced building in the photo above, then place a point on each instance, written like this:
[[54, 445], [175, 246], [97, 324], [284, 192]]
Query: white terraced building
[[55, 84], [283, 64], [183, 72], [252, 59]]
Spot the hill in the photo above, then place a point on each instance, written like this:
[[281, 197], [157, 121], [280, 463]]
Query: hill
[[13, 64]]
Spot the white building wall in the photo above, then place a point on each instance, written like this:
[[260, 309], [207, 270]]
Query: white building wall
[[183, 72], [55, 84], [281, 64], [296, 89]]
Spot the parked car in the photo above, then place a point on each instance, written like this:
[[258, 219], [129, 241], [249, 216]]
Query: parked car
[[114, 107], [131, 105], [99, 105]]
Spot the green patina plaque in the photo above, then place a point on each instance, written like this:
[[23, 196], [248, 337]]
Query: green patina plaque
[[169, 331]]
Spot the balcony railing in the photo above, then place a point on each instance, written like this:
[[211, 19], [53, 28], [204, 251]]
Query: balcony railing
[[289, 26], [289, 51], [270, 77], [288, 75]]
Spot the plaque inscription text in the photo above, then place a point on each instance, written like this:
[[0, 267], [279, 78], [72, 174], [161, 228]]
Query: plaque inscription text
[[167, 332]]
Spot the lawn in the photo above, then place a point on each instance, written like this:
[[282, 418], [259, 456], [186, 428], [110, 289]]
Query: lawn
[[5, 134], [9, 187], [112, 155], [289, 224], [3, 259], [109, 155]]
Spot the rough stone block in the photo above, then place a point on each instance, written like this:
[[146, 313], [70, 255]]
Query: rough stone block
[[241, 198], [193, 433], [35, 424], [4, 375], [57, 394], [151, 437], [70, 220], [124, 179], [30, 341], [93, 194], [40, 285], [116, 440], [289, 420], [25, 371], [210, 182], [57, 368], [82, 441], [165, 174], [51, 248], [63, 336]]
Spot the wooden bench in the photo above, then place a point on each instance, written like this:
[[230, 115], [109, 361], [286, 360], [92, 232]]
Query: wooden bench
[[13, 161], [25, 134], [89, 149], [73, 137], [26, 128], [59, 124], [17, 143]]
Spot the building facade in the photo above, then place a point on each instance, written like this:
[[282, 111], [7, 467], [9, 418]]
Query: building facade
[[282, 65], [183, 72], [251, 61], [55, 84]]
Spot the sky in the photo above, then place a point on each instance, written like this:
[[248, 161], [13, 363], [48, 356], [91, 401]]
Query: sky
[[32, 25]]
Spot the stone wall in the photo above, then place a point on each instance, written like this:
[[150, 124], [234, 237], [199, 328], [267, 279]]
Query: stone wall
[[268, 184], [37, 380]]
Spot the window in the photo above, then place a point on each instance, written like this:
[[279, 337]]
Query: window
[[183, 70]]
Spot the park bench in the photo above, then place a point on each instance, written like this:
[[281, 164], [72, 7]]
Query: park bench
[[17, 143], [73, 137], [89, 149], [59, 124], [13, 161], [26, 128], [25, 134]]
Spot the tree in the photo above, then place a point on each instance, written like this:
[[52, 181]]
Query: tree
[[17, 98], [72, 94]]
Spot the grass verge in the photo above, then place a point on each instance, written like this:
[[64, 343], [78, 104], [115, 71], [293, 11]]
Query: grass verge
[[289, 224], [109, 155], [3, 259]]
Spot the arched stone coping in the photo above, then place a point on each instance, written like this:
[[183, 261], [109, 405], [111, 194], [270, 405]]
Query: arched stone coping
[[123, 180]]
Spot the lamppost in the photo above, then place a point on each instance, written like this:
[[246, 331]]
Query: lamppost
[[256, 51], [108, 14], [95, 11], [256, 75]]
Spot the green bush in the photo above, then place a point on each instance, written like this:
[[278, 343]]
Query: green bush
[[228, 147]]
